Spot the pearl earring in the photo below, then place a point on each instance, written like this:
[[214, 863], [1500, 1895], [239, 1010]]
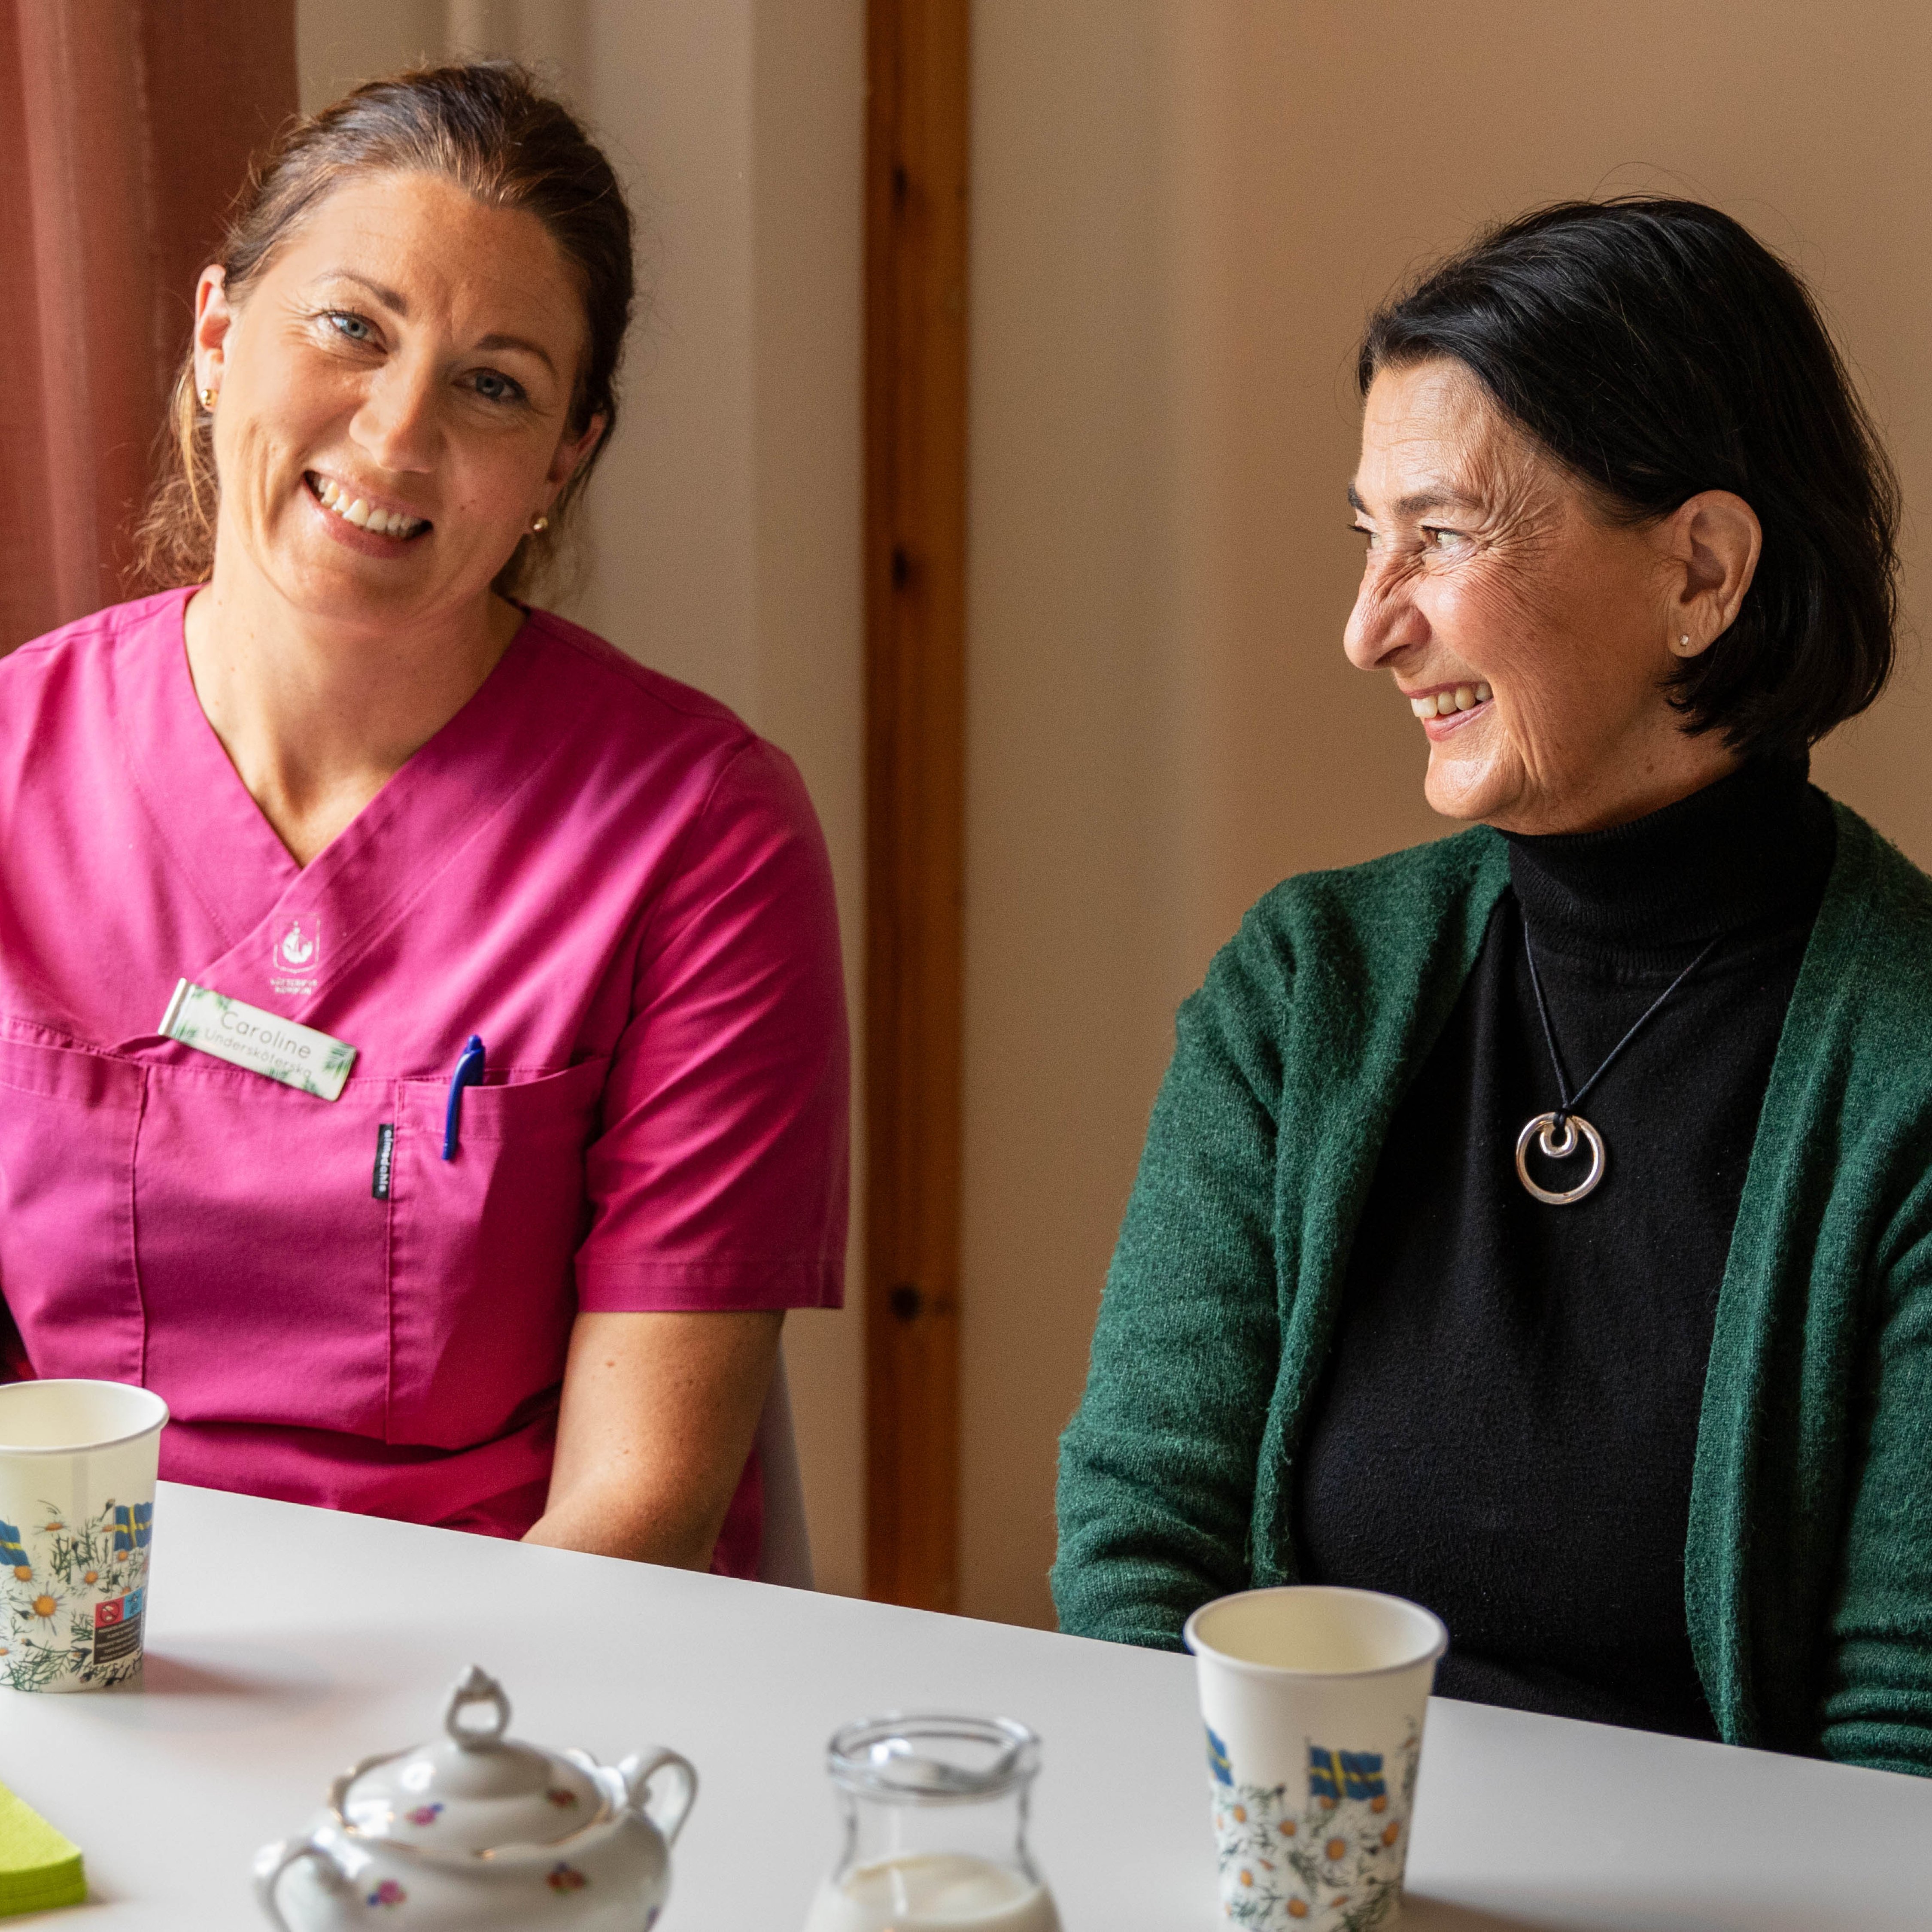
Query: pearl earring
[[538, 524]]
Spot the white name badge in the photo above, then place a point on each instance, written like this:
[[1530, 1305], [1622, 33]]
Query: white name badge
[[244, 1036]]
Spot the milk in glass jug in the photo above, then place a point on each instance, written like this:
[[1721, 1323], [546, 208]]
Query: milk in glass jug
[[935, 1815]]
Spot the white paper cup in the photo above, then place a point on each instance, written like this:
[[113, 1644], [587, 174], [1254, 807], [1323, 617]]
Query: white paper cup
[[77, 1467], [1314, 1699]]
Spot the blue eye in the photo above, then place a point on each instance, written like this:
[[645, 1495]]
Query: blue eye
[[495, 387], [355, 327]]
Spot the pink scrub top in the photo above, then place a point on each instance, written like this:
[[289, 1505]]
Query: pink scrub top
[[602, 873]]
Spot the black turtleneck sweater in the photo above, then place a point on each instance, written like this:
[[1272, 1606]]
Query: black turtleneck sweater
[[1507, 1425]]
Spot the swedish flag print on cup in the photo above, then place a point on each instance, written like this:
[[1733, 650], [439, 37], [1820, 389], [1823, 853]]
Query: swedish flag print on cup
[[78, 1461], [1313, 1699]]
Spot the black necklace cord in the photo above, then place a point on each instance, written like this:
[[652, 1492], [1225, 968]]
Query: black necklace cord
[[1570, 1101]]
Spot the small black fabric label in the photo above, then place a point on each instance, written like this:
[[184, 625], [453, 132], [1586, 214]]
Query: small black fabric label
[[386, 1148]]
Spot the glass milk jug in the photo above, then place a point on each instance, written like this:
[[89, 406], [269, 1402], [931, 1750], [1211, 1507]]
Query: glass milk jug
[[935, 1815]]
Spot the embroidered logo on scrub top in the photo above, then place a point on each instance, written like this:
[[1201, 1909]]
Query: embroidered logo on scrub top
[[296, 963]]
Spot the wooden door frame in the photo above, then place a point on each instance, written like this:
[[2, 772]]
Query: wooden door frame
[[917, 154]]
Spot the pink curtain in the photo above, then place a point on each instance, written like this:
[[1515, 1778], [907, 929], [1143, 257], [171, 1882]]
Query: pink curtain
[[125, 129]]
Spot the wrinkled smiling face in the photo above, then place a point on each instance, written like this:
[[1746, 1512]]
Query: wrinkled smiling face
[[1526, 630], [394, 392]]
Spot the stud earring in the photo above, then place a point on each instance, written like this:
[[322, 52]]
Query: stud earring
[[538, 524], [207, 399]]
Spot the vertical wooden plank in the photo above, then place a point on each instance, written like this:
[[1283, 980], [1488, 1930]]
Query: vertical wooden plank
[[915, 543]]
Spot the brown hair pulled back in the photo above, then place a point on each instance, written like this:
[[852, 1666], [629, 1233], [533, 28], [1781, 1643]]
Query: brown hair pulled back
[[484, 125]]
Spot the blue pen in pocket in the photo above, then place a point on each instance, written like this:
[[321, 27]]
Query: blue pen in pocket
[[468, 1073]]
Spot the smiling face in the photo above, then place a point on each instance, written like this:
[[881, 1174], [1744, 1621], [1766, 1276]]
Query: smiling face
[[393, 398], [1531, 635]]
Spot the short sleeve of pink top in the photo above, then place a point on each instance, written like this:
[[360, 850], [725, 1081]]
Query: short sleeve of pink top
[[601, 873]]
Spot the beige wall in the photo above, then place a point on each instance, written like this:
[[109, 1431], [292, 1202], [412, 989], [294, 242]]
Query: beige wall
[[1182, 212], [723, 533]]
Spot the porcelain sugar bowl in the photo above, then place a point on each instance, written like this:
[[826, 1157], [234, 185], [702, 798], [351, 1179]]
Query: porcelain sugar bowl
[[477, 1831]]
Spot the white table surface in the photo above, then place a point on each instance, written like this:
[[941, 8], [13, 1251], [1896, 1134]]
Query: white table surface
[[283, 1643]]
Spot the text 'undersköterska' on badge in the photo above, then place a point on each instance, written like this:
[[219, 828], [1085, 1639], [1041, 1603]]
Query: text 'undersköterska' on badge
[[244, 1036]]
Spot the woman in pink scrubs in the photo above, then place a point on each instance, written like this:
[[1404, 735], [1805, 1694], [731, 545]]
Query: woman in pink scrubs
[[341, 776]]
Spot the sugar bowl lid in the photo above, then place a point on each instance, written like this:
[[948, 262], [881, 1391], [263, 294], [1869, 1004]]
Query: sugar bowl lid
[[472, 1791]]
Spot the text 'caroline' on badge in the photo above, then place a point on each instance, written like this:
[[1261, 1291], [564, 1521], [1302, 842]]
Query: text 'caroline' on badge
[[244, 1036]]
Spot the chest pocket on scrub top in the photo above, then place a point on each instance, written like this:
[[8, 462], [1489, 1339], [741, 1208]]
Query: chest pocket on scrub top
[[263, 1257], [482, 1248], [69, 1119]]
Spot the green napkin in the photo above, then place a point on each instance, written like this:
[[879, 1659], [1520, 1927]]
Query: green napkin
[[39, 1869]]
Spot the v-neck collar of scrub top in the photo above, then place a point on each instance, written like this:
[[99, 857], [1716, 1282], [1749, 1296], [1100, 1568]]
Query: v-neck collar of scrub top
[[384, 861]]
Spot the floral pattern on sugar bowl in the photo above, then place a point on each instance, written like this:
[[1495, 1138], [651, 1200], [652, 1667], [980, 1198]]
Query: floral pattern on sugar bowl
[[477, 1831], [1335, 1865]]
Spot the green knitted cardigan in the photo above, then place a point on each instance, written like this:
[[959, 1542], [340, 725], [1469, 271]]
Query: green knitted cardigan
[[1807, 1569]]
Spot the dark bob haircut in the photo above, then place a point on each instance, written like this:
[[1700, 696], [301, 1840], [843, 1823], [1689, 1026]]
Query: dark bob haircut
[[1656, 349]]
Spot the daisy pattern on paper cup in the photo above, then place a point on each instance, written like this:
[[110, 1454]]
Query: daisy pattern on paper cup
[[77, 1466], [1313, 1699], [74, 1620], [1338, 1864]]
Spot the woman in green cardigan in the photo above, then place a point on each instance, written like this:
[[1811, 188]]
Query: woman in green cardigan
[[1538, 1224]]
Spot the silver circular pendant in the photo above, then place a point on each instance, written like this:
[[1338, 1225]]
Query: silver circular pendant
[[1543, 1127]]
